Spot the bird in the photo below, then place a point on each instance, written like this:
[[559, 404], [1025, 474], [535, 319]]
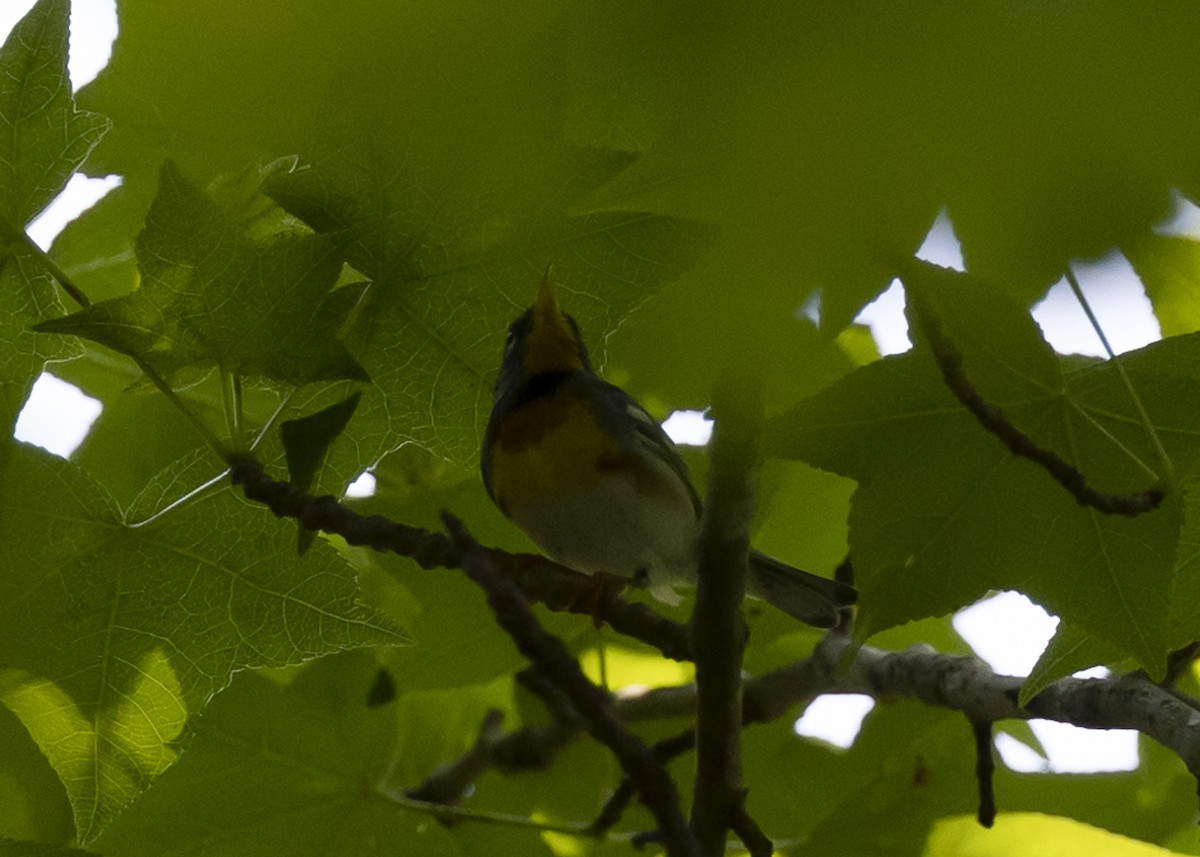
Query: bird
[[597, 484]]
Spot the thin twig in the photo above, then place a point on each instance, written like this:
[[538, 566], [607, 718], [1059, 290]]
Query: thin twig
[[450, 783], [747, 830], [447, 813], [950, 362], [985, 771], [665, 750]]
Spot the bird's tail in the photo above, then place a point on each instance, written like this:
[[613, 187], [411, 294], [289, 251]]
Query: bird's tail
[[811, 599]]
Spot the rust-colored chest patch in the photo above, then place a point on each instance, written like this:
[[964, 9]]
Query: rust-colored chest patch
[[548, 447]]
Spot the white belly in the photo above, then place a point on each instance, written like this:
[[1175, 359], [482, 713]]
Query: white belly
[[617, 529]]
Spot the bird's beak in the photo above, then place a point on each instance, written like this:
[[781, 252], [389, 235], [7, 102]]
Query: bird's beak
[[545, 310], [553, 343]]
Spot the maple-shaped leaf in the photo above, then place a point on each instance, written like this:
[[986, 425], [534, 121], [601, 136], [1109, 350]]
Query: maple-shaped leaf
[[114, 636], [43, 136], [211, 294], [944, 512], [454, 257]]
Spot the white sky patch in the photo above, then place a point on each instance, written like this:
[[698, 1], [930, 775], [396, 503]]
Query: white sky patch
[[1010, 632], [941, 245], [57, 416], [1018, 756], [885, 314], [93, 29], [1074, 750], [885, 317], [836, 718], [688, 428], [1184, 222], [363, 486], [80, 194], [1118, 300], [811, 308]]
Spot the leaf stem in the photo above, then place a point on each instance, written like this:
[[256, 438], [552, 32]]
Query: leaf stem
[[1168, 469], [180, 501], [266, 427], [21, 236], [447, 811]]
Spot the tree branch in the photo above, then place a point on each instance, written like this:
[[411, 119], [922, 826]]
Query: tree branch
[[965, 684], [717, 628], [551, 658], [961, 683], [541, 580]]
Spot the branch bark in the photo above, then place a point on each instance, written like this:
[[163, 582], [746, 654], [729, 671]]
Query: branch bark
[[594, 706], [541, 580]]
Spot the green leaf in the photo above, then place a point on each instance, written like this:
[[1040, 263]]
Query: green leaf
[[1169, 268], [450, 272], [307, 440], [113, 637], [1032, 833], [311, 759], [944, 513], [27, 295], [33, 803], [43, 138], [909, 766], [1071, 649], [130, 419], [211, 295]]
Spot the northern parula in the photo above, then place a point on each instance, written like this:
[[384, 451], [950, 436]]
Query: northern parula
[[596, 483]]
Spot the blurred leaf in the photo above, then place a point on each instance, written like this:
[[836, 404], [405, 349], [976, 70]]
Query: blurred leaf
[[11, 848], [1033, 834], [826, 138], [33, 803]]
